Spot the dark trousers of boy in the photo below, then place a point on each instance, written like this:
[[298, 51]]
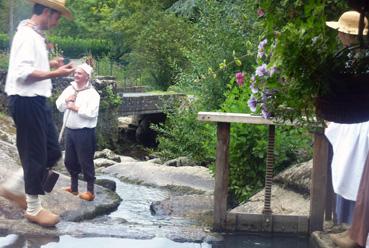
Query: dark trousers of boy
[[37, 139], [80, 146]]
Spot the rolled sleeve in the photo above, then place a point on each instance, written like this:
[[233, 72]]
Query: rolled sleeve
[[25, 57]]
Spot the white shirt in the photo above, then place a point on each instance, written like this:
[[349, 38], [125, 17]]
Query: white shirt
[[88, 102], [27, 54], [350, 144]]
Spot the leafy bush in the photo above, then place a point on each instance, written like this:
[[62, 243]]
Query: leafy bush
[[76, 48], [300, 49], [4, 42], [4, 60], [224, 31], [183, 135]]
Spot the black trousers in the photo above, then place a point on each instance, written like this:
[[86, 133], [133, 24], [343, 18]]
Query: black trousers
[[80, 146], [37, 139]]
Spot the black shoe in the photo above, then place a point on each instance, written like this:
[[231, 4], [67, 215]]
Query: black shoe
[[50, 179]]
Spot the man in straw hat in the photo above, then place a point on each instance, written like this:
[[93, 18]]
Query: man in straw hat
[[350, 143], [80, 104], [28, 86]]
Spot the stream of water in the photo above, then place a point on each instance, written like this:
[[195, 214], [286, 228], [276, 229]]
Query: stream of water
[[135, 208]]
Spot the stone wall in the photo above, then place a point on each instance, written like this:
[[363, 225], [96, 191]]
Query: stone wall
[[2, 93]]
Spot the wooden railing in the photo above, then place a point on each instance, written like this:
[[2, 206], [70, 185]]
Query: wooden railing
[[267, 221]]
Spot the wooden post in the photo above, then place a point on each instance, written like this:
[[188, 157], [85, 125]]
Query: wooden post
[[318, 191], [221, 177], [330, 203]]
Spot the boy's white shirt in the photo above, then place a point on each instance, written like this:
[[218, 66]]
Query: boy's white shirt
[[28, 53], [88, 102]]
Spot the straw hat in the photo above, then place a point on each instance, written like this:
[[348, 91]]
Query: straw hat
[[58, 5], [349, 23]]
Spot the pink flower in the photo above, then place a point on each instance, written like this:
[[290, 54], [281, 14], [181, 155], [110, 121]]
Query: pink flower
[[240, 78], [261, 12]]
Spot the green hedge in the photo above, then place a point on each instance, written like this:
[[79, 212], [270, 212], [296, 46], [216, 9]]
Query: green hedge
[[4, 42], [76, 48], [71, 47]]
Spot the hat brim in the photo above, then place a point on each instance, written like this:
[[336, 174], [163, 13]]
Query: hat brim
[[63, 10], [353, 31]]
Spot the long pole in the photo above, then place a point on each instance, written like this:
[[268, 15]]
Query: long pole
[[63, 127]]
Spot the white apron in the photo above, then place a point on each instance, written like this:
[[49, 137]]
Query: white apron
[[350, 149]]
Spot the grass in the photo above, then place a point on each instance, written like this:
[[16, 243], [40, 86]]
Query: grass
[[4, 60]]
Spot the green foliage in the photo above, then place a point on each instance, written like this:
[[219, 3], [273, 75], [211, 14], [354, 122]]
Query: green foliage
[[183, 135], [300, 48], [4, 42], [4, 60], [248, 146], [157, 53], [105, 66], [76, 48], [224, 30], [110, 104]]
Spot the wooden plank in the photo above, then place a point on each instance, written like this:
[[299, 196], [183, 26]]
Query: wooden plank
[[232, 117], [278, 223], [221, 177], [238, 118], [318, 190]]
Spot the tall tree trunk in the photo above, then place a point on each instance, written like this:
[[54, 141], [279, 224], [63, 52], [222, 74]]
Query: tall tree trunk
[[11, 18]]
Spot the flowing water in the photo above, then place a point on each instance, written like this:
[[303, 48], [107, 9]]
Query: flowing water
[[135, 208]]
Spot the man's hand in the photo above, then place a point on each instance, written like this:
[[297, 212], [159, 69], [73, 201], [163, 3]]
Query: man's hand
[[56, 62], [72, 106], [70, 98], [65, 70], [62, 71]]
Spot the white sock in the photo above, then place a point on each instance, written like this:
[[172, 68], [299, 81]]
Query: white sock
[[15, 183], [33, 204]]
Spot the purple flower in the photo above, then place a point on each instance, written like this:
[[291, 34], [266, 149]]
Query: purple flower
[[252, 103], [260, 54], [273, 70], [264, 112], [264, 98], [262, 70], [240, 78], [253, 88], [262, 44]]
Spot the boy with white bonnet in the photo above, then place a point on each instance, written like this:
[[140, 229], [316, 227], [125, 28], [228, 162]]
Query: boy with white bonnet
[[80, 104]]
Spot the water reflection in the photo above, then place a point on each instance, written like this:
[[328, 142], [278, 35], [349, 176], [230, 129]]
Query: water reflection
[[20, 241], [16, 241], [263, 241], [230, 241]]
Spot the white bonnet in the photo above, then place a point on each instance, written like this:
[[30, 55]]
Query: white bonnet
[[87, 68]]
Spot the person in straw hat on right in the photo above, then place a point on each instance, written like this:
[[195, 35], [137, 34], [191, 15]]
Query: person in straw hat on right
[[28, 86], [350, 164]]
